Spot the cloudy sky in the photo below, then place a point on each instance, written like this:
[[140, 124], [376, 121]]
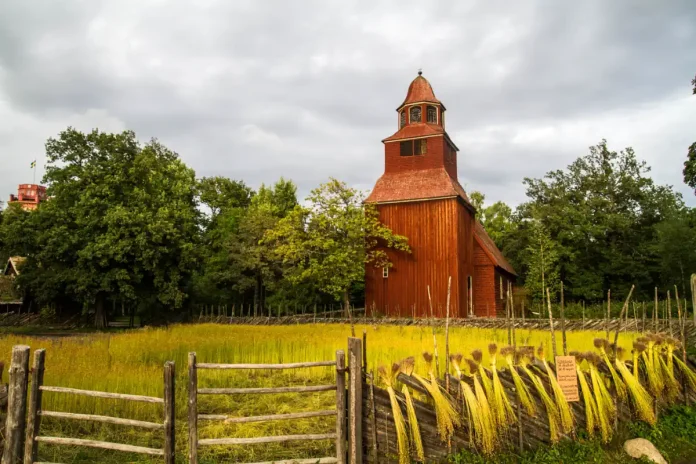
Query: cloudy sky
[[307, 89]]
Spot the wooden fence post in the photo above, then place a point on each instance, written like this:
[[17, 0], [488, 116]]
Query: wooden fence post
[[355, 400], [169, 417], [341, 407], [193, 410], [34, 419], [16, 405]]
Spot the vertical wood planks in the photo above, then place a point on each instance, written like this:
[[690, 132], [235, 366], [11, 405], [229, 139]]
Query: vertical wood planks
[[16, 405], [169, 413], [192, 410], [341, 406], [355, 400], [34, 419]]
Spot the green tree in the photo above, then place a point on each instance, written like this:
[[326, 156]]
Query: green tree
[[122, 222], [541, 256], [496, 218], [601, 212], [690, 163], [221, 193], [676, 246], [329, 242], [236, 260]]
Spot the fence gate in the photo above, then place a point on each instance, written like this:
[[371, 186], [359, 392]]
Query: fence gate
[[36, 412], [340, 411]]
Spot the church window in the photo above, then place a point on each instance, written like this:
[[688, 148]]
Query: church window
[[413, 147], [415, 114], [402, 119], [501, 287], [385, 272], [431, 115], [407, 148]]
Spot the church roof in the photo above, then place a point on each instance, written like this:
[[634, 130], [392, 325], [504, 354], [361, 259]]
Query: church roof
[[411, 131], [420, 90], [490, 248], [416, 185]]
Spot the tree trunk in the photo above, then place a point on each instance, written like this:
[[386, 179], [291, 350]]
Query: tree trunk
[[99, 313]]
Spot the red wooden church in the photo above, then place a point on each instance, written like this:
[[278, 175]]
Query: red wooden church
[[419, 196]]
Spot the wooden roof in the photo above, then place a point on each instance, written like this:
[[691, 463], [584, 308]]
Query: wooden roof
[[489, 247], [419, 91], [13, 264], [415, 185]]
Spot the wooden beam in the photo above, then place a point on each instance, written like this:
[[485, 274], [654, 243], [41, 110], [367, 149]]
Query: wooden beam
[[99, 394], [298, 365], [34, 418], [355, 401], [270, 390], [100, 444], [103, 419], [260, 440], [16, 405], [341, 406], [272, 417], [192, 410]]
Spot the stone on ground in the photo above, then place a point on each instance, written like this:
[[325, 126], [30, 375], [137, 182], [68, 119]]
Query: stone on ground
[[640, 447]]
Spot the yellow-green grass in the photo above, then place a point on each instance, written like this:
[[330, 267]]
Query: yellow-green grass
[[131, 362]]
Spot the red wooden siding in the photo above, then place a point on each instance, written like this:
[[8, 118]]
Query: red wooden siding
[[437, 231]]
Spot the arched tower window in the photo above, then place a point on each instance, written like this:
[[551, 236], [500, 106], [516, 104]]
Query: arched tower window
[[402, 119], [415, 114], [431, 115]]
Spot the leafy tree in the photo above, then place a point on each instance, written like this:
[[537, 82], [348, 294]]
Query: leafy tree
[[330, 241], [690, 163], [477, 198], [601, 212], [676, 246], [236, 260], [541, 256], [122, 221], [496, 218], [221, 193]]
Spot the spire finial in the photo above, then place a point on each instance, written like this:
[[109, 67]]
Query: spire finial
[[420, 71]]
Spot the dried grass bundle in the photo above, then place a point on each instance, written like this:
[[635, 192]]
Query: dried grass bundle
[[642, 401], [399, 423], [602, 345], [554, 419], [414, 428], [484, 407], [502, 410], [606, 411], [523, 395], [567, 421], [447, 417], [591, 418], [480, 430]]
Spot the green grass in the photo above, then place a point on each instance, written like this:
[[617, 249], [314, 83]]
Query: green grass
[[132, 362], [674, 436]]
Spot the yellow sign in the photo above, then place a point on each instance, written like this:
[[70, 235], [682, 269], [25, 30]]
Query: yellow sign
[[567, 377]]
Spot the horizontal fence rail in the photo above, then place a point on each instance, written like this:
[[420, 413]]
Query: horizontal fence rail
[[339, 436]]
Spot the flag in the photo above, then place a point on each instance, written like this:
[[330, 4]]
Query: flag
[[33, 164]]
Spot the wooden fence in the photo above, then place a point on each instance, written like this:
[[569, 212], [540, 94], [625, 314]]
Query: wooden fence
[[16, 426], [379, 435], [348, 411]]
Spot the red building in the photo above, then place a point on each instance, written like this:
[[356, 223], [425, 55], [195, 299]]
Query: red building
[[29, 195], [419, 196]]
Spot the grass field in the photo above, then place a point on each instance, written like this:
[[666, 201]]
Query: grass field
[[131, 362]]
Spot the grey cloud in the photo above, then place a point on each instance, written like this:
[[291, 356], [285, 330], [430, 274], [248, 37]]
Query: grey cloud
[[322, 79]]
